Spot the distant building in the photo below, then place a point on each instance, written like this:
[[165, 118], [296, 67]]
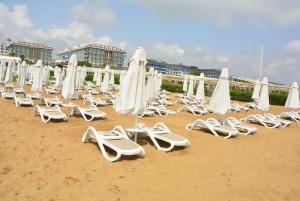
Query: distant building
[[96, 54], [181, 70], [3, 47], [31, 51]]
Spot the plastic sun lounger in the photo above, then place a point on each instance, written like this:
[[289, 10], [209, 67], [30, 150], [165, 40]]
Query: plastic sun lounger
[[51, 101], [7, 95], [147, 113], [160, 132], [94, 101], [116, 140], [161, 110], [19, 101], [50, 90], [214, 127], [89, 113], [193, 109], [18, 90], [291, 116], [164, 102], [235, 108], [241, 107], [48, 114], [261, 120], [245, 129], [251, 105], [284, 122], [8, 85], [34, 95]]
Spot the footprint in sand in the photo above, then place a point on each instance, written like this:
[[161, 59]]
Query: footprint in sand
[[70, 180], [5, 170]]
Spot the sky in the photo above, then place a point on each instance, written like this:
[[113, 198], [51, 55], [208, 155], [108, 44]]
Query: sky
[[205, 33]]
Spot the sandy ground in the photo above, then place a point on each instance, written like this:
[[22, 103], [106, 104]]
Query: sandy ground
[[41, 161]]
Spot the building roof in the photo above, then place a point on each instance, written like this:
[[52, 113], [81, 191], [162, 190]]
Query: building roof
[[30, 44], [96, 46]]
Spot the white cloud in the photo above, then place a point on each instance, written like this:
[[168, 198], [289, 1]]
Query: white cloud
[[16, 24], [225, 12], [97, 15], [293, 46]]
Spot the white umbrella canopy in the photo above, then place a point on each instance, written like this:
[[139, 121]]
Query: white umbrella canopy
[[190, 91], [105, 84], [263, 100], [58, 77], [220, 99], [22, 74], [150, 85], [83, 75], [112, 78], [37, 84], [122, 76], [185, 84], [2, 70], [96, 74], [292, 101], [69, 85], [256, 90], [99, 78], [78, 77], [200, 94], [131, 98], [158, 83], [9, 72]]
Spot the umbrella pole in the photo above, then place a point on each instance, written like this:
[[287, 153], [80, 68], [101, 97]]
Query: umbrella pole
[[136, 127]]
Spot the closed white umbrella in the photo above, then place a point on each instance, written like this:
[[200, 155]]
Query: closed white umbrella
[[158, 82], [78, 77], [105, 84], [2, 70], [255, 95], [185, 84], [131, 98], [112, 78], [22, 74], [58, 77], [220, 99], [83, 75], [96, 74], [292, 101], [263, 100], [190, 92], [200, 94], [37, 84], [122, 76], [9, 72], [69, 85], [150, 85], [99, 78]]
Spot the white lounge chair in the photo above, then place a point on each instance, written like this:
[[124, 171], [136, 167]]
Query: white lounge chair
[[19, 101], [51, 101], [51, 90], [214, 126], [52, 113], [243, 128], [194, 109], [34, 95], [284, 122], [161, 110], [8, 85], [94, 101], [7, 95], [242, 108], [160, 132], [116, 140], [89, 113], [261, 120], [164, 102], [146, 113], [251, 105], [290, 116], [19, 90]]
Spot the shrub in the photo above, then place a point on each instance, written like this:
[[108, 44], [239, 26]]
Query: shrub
[[278, 98], [176, 88]]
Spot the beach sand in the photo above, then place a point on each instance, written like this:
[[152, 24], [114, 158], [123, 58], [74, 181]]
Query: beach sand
[[40, 161]]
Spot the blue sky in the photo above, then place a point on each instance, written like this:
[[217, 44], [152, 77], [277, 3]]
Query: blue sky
[[210, 34]]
